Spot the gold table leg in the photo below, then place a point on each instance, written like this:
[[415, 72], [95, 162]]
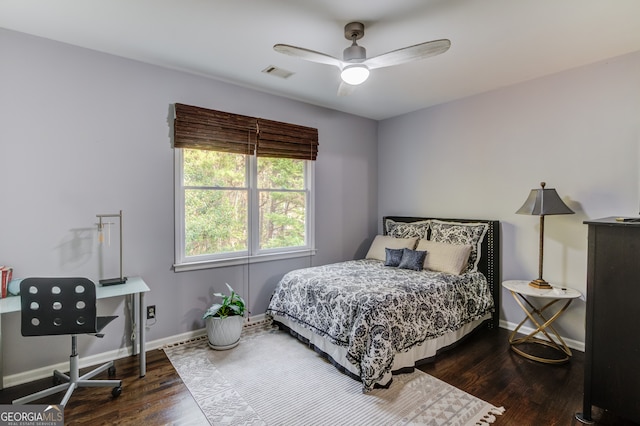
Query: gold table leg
[[549, 341]]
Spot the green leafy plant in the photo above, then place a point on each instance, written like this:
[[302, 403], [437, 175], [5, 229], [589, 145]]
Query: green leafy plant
[[232, 304]]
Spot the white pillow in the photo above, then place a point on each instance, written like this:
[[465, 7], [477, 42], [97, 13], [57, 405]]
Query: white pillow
[[380, 242], [443, 257]]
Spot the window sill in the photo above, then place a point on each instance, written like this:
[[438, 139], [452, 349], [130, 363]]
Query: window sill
[[221, 263]]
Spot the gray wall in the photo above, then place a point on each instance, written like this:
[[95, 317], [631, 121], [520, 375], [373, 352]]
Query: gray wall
[[478, 158], [84, 133]]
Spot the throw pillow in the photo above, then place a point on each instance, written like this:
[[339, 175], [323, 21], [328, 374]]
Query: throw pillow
[[393, 256], [412, 259]]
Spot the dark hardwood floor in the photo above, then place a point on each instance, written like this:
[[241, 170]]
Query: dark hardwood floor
[[483, 365]]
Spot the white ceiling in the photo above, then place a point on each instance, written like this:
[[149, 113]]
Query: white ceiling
[[494, 43]]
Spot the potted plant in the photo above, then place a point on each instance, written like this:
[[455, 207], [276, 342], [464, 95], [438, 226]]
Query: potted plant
[[225, 320]]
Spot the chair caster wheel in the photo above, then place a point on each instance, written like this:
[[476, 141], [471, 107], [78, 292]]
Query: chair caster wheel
[[116, 391], [56, 380], [111, 371]]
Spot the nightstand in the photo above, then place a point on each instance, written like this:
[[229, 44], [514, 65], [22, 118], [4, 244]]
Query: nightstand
[[559, 299]]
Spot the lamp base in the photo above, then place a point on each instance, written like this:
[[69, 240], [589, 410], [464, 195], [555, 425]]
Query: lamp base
[[113, 281], [540, 283]]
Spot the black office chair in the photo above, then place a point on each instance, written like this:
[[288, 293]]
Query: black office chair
[[57, 306]]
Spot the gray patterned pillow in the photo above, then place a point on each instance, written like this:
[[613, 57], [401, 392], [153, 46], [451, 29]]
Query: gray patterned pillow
[[394, 256], [461, 233], [412, 259], [407, 229]]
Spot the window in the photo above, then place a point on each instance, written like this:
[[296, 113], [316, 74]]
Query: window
[[241, 204], [282, 202]]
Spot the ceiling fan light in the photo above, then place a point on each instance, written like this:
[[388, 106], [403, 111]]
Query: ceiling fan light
[[355, 74]]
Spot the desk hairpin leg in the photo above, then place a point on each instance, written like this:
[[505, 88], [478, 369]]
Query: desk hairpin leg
[[132, 300], [138, 332], [143, 354]]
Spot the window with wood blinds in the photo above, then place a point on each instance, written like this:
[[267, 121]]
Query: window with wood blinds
[[243, 188]]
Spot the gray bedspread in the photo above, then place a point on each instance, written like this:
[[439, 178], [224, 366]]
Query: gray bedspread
[[376, 311]]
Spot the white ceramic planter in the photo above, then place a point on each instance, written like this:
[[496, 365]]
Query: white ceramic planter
[[224, 333]]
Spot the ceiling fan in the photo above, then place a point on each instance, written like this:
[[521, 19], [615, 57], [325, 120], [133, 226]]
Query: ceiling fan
[[355, 65]]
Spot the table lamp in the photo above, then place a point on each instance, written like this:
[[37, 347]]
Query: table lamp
[[543, 202], [121, 279]]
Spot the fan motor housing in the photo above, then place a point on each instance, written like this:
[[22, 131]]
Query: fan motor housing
[[354, 53]]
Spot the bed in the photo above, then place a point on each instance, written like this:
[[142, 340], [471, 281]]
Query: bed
[[425, 284]]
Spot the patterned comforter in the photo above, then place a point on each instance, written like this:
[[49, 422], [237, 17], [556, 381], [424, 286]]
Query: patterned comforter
[[376, 311]]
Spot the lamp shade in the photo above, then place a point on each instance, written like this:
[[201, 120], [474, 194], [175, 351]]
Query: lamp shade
[[542, 202]]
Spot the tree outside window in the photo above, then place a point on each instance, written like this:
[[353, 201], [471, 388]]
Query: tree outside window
[[218, 189]]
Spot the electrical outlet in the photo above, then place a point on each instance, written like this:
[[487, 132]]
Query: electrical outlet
[[151, 312]]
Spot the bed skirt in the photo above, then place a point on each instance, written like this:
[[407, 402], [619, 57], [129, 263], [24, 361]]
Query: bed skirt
[[404, 362]]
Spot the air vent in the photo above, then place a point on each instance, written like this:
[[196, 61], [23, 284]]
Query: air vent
[[278, 72]]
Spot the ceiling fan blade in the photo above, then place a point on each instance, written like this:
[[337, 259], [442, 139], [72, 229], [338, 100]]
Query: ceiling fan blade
[[345, 89], [408, 54], [308, 55]]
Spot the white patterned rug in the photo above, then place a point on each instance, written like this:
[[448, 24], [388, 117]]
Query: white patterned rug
[[271, 378]]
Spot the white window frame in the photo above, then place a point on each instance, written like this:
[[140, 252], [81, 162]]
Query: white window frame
[[253, 254]]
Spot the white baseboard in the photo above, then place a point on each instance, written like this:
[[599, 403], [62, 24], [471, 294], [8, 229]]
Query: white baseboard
[[573, 344], [97, 359], [47, 371]]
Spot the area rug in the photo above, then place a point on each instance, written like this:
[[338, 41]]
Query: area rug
[[271, 378]]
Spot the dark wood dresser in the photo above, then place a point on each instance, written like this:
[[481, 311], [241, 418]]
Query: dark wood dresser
[[612, 344]]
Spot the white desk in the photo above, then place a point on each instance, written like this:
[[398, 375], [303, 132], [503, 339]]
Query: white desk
[[133, 286]]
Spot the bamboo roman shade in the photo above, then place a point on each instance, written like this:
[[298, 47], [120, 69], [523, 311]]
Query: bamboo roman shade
[[283, 140], [201, 128]]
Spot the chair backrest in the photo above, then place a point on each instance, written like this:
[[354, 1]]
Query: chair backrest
[[55, 306]]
